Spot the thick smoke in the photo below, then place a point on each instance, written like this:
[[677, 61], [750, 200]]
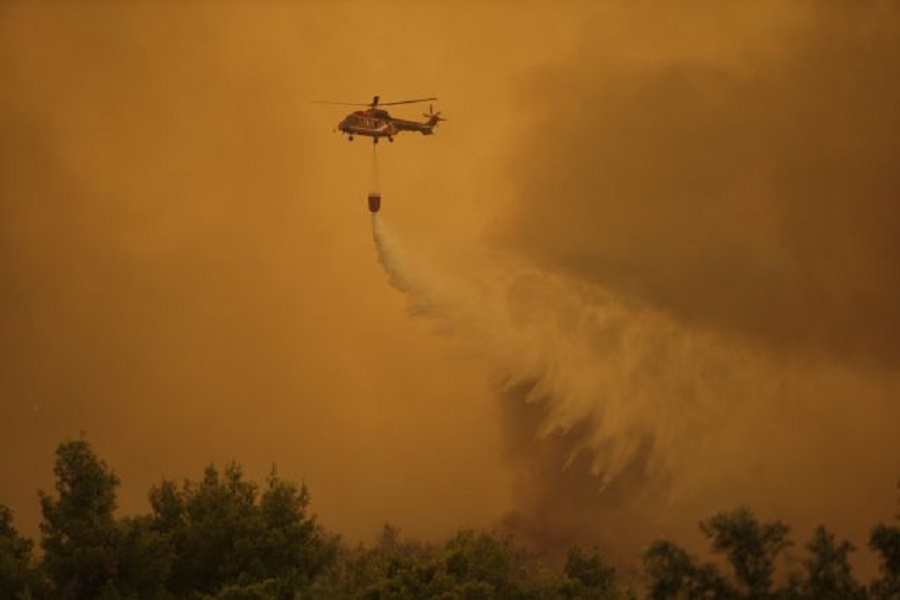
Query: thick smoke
[[701, 309], [741, 188], [624, 424]]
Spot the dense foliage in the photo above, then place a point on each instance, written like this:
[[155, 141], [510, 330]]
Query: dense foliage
[[225, 538]]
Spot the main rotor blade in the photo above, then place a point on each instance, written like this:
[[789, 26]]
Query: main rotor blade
[[341, 103], [406, 101], [375, 103]]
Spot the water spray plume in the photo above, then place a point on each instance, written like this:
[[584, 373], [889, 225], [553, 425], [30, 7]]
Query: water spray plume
[[405, 273], [387, 256], [579, 351], [633, 412]]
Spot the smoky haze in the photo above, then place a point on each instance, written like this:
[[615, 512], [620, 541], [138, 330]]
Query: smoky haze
[[694, 302], [742, 186], [730, 169], [186, 261], [686, 300]]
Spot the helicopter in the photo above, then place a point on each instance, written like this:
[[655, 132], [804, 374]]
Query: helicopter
[[377, 123]]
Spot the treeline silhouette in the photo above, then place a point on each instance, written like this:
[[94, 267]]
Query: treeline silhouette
[[226, 538]]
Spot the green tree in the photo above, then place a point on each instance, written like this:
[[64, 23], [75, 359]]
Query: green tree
[[471, 556], [145, 559], [673, 574], [588, 577], [205, 522], [471, 565], [291, 544], [750, 546], [265, 590], [17, 576], [828, 574], [79, 533], [394, 568], [885, 540], [225, 534]]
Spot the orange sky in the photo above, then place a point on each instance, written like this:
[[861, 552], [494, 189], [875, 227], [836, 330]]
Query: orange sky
[[188, 261], [691, 212]]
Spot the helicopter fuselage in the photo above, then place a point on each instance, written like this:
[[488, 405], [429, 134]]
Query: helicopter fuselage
[[378, 123]]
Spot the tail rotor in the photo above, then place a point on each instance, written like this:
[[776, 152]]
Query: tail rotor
[[433, 117]]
